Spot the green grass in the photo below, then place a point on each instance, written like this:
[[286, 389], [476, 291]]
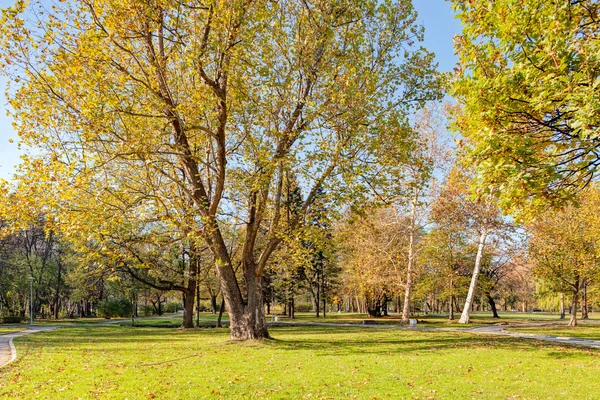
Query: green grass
[[113, 362], [9, 330], [580, 331]]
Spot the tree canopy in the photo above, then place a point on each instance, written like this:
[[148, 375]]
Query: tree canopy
[[528, 90]]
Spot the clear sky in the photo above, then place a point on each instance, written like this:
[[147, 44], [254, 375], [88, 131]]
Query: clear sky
[[435, 15]]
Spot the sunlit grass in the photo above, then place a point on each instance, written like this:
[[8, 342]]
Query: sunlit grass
[[9, 330], [114, 362]]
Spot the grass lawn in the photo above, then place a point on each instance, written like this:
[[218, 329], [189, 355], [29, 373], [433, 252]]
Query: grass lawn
[[9, 330], [580, 331], [114, 362]]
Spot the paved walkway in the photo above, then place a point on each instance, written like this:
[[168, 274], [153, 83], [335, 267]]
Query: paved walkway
[[494, 330], [500, 330], [8, 353]]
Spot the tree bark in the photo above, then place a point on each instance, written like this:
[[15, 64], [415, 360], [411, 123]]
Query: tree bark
[[411, 258], [247, 321], [188, 308], [492, 305], [466, 313], [573, 319], [220, 314], [197, 304], [213, 303], [324, 298], [584, 303], [562, 305]]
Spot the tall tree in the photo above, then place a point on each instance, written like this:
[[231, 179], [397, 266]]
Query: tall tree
[[480, 217], [162, 106], [528, 88], [564, 246]]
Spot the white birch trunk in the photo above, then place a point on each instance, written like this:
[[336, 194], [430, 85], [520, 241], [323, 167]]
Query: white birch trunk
[[411, 260], [466, 313]]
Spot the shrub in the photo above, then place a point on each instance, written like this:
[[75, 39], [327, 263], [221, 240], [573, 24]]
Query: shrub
[[303, 307], [12, 319], [113, 308], [148, 311], [172, 307]]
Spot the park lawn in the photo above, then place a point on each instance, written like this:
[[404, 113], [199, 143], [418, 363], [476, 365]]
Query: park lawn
[[584, 331], [114, 362], [9, 330]]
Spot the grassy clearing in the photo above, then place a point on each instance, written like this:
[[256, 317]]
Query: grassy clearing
[[113, 362], [581, 331]]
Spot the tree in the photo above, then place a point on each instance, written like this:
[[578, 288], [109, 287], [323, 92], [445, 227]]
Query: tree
[[481, 217], [564, 246], [373, 252], [445, 259], [148, 108], [528, 90]]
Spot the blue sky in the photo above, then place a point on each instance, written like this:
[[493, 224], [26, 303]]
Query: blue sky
[[435, 15]]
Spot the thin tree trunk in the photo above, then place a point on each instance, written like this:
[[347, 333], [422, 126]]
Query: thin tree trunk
[[584, 303], [317, 298], [323, 293], [466, 313], [451, 304], [197, 304], [492, 305], [562, 305], [213, 303], [221, 310], [411, 258]]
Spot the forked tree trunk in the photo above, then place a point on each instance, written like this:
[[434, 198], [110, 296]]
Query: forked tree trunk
[[247, 321], [466, 313]]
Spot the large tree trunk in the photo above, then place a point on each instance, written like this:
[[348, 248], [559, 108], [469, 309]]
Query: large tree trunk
[[466, 313], [411, 260], [562, 305], [573, 320], [188, 308], [248, 321], [492, 305]]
